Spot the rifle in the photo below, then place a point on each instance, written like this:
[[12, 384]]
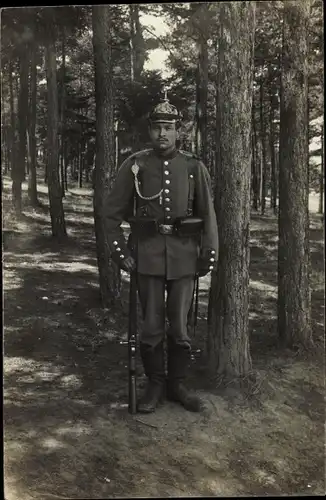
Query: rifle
[[132, 341], [196, 292]]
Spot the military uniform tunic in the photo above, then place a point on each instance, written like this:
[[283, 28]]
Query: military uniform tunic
[[163, 255]]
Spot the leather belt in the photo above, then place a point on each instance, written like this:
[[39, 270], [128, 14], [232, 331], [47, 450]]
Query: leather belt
[[166, 228]]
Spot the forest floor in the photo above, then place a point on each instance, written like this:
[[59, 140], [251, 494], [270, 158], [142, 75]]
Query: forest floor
[[67, 431]]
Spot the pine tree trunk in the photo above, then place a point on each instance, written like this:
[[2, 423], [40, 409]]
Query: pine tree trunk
[[273, 162], [322, 173], [18, 173], [137, 45], [55, 195], [32, 181], [12, 119], [293, 257], [81, 165], [201, 101], [62, 112], [104, 166], [256, 163], [228, 340], [263, 144]]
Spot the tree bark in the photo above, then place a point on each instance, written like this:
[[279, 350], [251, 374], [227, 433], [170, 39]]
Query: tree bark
[[293, 257], [62, 112], [12, 118], [228, 340], [256, 163], [32, 181], [137, 46], [55, 194], [322, 172], [264, 155], [18, 172], [201, 100], [272, 149], [104, 165]]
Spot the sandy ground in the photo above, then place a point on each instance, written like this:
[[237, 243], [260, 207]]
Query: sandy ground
[[68, 434]]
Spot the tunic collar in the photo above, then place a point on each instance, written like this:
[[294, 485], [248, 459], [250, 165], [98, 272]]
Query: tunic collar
[[168, 156]]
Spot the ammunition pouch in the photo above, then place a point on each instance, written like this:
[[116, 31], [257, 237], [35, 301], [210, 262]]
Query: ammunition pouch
[[187, 227], [143, 227]]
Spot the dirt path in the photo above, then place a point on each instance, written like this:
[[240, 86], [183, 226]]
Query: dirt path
[[67, 430]]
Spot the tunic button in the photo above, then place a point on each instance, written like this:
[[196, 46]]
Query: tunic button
[[167, 209], [191, 176], [115, 243], [167, 199], [166, 172], [122, 256], [166, 162], [166, 191], [212, 260], [168, 217], [167, 182], [213, 252], [211, 268], [118, 249]]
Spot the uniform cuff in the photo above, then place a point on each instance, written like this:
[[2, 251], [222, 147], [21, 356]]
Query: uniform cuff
[[119, 251]]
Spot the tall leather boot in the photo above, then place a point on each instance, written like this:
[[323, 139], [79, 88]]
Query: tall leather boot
[[178, 362], [153, 362]]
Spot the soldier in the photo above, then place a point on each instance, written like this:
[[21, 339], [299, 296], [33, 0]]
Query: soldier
[[177, 238]]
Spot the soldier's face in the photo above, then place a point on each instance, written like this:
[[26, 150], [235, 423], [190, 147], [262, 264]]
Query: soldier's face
[[163, 135]]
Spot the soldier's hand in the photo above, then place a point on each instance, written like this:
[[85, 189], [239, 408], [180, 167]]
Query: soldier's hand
[[128, 264]]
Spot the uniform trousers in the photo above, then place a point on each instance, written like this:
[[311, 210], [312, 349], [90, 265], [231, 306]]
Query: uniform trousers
[[151, 291]]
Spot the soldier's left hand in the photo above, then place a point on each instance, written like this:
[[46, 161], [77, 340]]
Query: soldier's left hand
[[128, 264]]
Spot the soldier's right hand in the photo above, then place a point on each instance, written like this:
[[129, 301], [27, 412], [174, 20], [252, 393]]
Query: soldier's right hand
[[128, 264]]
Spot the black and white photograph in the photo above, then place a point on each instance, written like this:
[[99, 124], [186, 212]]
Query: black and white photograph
[[162, 185]]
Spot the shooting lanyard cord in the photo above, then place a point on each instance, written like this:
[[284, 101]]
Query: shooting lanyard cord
[[135, 170]]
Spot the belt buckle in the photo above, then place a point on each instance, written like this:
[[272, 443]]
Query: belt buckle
[[166, 229]]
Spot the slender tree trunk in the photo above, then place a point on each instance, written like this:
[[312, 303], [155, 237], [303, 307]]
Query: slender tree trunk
[[322, 172], [65, 165], [293, 257], [137, 44], [62, 112], [12, 118], [55, 194], [32, 181], [228, 339], [263, 144], [81, 166], [201, 100], [104, 167], [256, 164], [18, 173], [273, 162]]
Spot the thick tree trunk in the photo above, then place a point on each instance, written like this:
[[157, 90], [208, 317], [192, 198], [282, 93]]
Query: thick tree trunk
[[55, 195], [32, 181], [228, 340], [293, 258], [104, 166], [322, 173]]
